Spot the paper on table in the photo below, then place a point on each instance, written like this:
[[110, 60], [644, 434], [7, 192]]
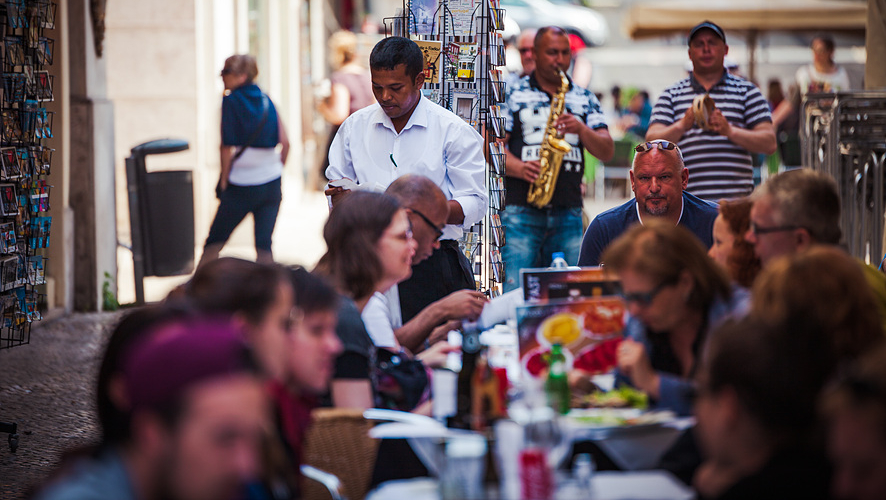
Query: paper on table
[[500, 309], [350, 185], [399, 416], [645, 485], [402, 430]]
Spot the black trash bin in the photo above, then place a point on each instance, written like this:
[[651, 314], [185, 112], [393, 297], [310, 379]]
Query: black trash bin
[[161, 215]]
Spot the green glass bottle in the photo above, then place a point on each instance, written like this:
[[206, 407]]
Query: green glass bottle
[[556, 385]]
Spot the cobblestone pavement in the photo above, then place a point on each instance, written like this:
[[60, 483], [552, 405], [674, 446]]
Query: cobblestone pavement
[[46, 387]]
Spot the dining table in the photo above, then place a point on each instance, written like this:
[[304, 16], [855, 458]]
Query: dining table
[[604, 485]]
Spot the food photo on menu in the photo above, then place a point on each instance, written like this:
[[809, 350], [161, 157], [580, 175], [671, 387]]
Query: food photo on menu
[[580, 310]]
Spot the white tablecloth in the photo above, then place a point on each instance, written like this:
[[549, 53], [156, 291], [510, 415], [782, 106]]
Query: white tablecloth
[[636, 485]]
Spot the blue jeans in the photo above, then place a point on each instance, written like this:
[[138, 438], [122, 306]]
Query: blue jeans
[[533, 234], [236, 202]]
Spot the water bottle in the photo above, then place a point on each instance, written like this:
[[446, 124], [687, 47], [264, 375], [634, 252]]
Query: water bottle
[[559, 261], [583, 470]]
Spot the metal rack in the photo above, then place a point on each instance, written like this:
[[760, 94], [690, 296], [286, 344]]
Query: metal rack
[[470, 52], [25, 161], [844, 135]]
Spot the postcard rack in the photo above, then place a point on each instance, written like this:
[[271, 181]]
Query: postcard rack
[[25, 161], [463, 49]]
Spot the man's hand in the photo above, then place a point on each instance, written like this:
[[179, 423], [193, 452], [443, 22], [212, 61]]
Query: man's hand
[[719, 124], [633, 361], [336, 193], [688, 120], [526, 170], [569, 124], [463, 304], [435, 356], [442, 331]]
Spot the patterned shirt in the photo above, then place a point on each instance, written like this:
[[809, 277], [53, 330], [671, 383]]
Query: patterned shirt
[[717, 167], [526, 113]]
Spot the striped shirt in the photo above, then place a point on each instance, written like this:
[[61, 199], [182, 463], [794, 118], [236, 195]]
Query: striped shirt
[[717, 167]]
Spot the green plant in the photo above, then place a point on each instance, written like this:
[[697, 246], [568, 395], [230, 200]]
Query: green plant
[[109, 298]]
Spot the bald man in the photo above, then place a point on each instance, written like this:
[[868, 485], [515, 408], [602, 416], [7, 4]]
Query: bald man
[[428, 210]]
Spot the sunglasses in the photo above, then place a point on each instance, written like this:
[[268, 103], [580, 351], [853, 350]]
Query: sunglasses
[[438, 233], [757, 229], [643, 299], [660, 144], [226, 71]]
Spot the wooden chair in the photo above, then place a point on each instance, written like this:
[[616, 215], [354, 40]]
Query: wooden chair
[[338, 442]]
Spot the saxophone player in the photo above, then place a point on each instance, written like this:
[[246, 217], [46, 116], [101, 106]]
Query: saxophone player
[[544, 200]]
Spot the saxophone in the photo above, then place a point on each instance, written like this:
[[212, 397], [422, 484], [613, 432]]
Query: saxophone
[[553, 147]]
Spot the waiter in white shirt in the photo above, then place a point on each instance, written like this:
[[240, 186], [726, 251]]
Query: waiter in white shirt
[[403, 133]]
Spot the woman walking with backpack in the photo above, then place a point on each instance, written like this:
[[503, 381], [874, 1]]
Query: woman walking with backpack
[[251, 166]]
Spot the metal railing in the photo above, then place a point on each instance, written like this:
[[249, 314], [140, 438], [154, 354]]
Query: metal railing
[[844, 135]]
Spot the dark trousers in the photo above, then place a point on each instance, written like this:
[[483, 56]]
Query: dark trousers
[[236, 202], [444, 272]]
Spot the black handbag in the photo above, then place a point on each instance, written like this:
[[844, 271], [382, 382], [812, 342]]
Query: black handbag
[[401, 382]]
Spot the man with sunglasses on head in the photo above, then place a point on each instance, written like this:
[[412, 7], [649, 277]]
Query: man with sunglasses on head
[[658, 180], [717, 142], [427, 209], [533, 234]]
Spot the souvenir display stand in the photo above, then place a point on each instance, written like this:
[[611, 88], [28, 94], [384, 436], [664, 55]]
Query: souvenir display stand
[[25, 161], [463, 49]]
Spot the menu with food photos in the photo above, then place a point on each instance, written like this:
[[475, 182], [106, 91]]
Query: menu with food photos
[[578, 325], [542, 284]]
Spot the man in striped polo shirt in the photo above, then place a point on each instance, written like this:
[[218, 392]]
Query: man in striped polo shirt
[[719, 156]]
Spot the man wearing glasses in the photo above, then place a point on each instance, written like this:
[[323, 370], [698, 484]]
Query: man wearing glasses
[[792, 211], [525, 43], [797, 209], [427, 209], [658, 180], [718, 148]]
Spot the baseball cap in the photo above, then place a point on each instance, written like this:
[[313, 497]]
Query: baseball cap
[[180, 355], [707, 25]]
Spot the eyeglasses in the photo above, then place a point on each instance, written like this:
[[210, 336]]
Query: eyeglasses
[[660, 144], [757, 229], [226, 71], [643, 299], [524, 50], [438, 233]]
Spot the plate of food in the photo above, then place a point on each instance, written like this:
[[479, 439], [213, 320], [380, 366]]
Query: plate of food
[[599, 423], [621, 410]]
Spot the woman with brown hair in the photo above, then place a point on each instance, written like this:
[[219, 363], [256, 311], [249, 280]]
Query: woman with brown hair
[[369, 249], [675, 294], [823, 288], [730, 249]]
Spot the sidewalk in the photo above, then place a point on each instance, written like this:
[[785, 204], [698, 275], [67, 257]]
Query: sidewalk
[[46, 388]]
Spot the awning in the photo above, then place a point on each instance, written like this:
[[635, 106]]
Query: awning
[[747, 16], [679, 16]]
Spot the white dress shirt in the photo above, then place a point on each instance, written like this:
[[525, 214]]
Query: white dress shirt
[[378, 317], [435, 143]]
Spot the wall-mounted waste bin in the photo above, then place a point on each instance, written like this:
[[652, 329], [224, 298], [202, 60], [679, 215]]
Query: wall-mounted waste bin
[[161, 215]]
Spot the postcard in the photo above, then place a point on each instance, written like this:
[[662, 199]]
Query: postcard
[[462, 14], [423, 19], [431, 51]]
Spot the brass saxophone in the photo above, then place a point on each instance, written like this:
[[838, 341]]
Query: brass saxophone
[[553, 147]]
